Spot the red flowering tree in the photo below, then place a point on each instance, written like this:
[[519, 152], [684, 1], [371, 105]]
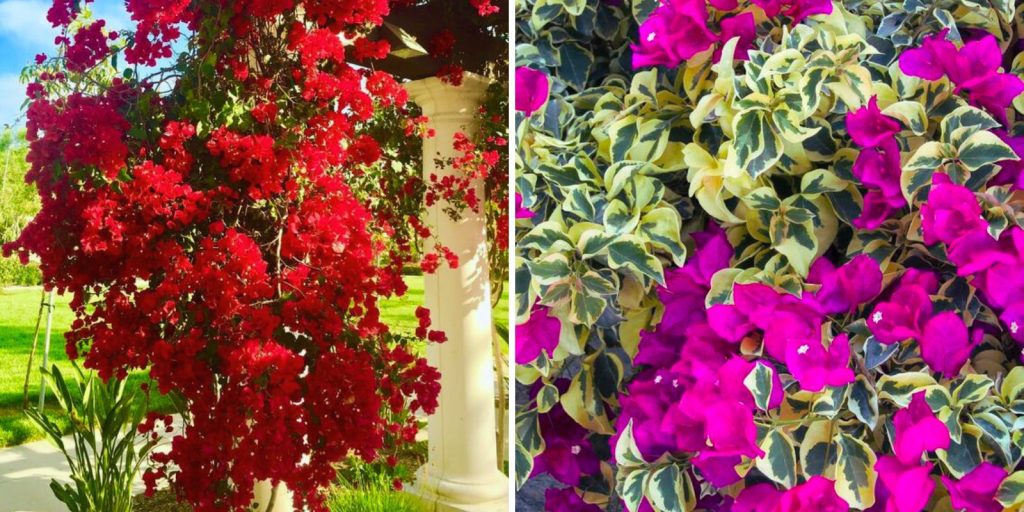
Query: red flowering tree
[[207, 208]]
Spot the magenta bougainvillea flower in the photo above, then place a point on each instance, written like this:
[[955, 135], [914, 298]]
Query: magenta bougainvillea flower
[[757, 498], [878, 164], [1011, 171], [909, 313], [974, 67], [844, 289], [678, 29], [931, 59], [521, 212], [539, 333], [815, 367], [903, 487], [868, 127], [817, 493], [906, 483], [798, 10], [532, 89], [950, 212], [918, 431], [568, 454], [976, 491]]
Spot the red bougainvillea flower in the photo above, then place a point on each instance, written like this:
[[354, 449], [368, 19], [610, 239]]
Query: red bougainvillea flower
[[976, 491], [532, 89], [233, 252]]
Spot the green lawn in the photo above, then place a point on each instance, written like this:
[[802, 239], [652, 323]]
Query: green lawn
[[18, 309]]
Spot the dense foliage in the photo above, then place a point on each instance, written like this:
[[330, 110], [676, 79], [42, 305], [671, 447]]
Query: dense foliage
[[222, 215], [18, 203], [770, 253]]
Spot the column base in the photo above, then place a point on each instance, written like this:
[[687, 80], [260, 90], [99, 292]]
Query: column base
[[444, 495]]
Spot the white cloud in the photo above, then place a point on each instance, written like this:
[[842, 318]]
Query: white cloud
[[12, 95], [24, 21]]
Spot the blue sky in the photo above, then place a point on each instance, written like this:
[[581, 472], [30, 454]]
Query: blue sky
[[24, 32]]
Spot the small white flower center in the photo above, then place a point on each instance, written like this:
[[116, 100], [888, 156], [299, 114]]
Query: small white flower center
[[1014, 327], [803, 349], [658, 379], [877, 317], [575, 449], [651, 36], [675, 383]]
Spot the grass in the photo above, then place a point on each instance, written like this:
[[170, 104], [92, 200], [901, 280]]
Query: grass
[[18, 310], [374, 500]]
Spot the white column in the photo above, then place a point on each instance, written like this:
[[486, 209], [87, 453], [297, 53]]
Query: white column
[[461, 473]]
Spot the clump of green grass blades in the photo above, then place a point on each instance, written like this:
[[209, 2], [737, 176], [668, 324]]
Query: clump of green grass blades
[[373, 500]]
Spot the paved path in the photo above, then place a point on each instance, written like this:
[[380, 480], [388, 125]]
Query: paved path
[[26, 471]]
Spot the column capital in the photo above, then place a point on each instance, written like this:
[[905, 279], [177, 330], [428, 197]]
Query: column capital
[[439, 99]]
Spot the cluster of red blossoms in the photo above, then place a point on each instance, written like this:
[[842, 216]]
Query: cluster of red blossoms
[[227, 251]]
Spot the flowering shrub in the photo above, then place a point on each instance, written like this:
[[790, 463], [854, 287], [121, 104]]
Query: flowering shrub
[[774, 263], [227, 221]]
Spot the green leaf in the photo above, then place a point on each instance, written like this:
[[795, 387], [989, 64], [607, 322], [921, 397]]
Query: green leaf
[[863, 402], [830, 402], [855, 472], [900, 387], [619, 218], [984, 148], [528, 431], [757, 147], [627, 455], [623, 135], [651, 141], [662, 227], [1011, 491], [973, 388], [962, 456], [524, 465], [629, 253], [759, 382], [910, 113], [631, 487], [1013, 385], [763, 198], [670, 490], [550, 269], [818, 450], [779, 460], [796, 241], [547, 397], [820, 181], [918, 171], [963, 122]]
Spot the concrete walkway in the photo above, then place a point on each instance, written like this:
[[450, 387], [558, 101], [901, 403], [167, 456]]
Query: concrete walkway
[[26, 471], [25, 474]]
